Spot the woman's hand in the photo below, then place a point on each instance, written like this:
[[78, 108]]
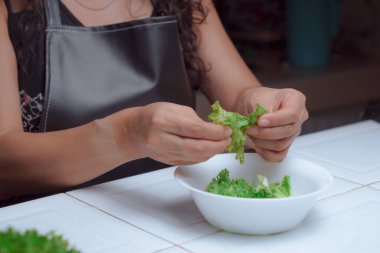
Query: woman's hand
[[276, 130], [174, 134]]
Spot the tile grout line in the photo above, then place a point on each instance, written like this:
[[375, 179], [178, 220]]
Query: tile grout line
[[197, 238], [361, 184], [185, 249], [373, 188], [333, 136], [322, 163], [297, 152], [348, 180], [177, 246], [142, 229], [369, 185], [351, 190], [357, 186], [135, 226]]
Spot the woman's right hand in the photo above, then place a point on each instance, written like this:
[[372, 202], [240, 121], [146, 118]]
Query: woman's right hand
[[174, 134]]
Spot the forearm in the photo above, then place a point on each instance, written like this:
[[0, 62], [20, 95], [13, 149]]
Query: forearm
[[40, 162], [230, 96], [228, 76]]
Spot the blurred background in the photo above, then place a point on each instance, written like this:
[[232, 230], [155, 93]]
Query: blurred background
[[327, 49]]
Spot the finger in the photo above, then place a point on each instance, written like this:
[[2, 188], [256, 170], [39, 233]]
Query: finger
[[272, 156], [274, 133], [190, 149], [250, 144], [199, 129], [278, 145], [180, 162], [164, 147], [203, 148], [198, 155], [185, 162], [284, 116], [291, 110], [172, 149]]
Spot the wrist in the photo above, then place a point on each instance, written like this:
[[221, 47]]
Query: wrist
[[243, 104], [115, 135]]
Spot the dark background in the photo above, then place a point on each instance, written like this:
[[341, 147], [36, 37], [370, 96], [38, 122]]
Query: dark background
[[345, 90]]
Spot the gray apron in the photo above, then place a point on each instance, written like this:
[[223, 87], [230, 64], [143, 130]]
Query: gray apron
[[92, 72]]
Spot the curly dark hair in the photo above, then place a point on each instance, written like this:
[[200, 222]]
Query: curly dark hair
[[188, 12]]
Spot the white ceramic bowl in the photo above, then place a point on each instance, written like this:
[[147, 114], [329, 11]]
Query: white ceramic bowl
[[255, 216]]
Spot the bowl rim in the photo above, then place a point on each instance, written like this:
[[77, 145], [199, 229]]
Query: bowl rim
[[310, 194]]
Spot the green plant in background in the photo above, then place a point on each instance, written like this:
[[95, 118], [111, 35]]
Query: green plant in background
[[222, 184], [239, 125], [30, 241]]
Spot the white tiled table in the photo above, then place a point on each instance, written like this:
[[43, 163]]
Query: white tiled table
[[350, 152], [87, 228], [153, 213]]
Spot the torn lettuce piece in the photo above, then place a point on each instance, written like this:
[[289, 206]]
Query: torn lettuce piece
[[32, 241], [281, 189], [222, 184], [239, 125]]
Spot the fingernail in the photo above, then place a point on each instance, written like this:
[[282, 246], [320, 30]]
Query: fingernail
[[228, 133], [264, 122], [252, 131]]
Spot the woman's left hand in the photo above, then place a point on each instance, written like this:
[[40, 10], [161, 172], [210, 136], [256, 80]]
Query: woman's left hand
[[276, 130], [229, 80]]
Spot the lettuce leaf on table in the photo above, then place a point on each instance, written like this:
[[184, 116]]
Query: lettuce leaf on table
[[31, 241], [239, 125], [222, 184]]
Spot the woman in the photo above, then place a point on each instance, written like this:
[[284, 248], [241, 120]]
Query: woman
[[48, 144]]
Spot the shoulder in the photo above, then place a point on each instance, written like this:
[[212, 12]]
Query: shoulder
[[3, 15], [207, 4], [3, 11], [4, 32]]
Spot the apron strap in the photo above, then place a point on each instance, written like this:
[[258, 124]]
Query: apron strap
[[53, 15]]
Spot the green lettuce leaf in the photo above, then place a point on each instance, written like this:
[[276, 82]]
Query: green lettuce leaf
[[222, 184], [239, 125], [30, 241]]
